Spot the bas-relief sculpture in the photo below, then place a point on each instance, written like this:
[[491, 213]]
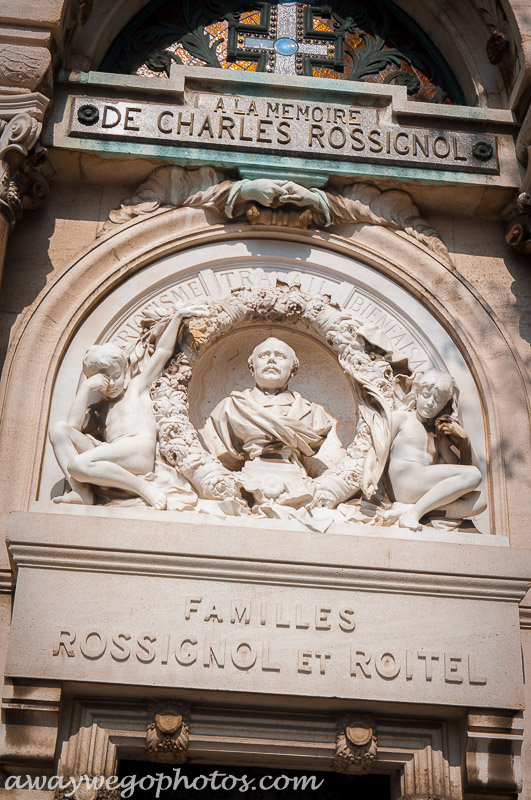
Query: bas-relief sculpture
[[123, 449], [409, 464], [271, 429], [276, 202]]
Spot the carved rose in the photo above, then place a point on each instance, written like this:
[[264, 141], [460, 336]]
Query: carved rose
[[295, 304], [222, 487]]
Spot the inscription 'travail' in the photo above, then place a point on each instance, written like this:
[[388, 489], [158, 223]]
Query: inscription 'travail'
[[276, 126], [219, 283]]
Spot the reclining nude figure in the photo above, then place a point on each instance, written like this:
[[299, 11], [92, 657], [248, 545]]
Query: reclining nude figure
[[123, 418], [425, 471]]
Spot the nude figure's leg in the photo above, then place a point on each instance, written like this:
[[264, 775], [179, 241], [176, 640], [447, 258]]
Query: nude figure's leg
[[470, 505], [67, 443], [116, 465], [436, 487]]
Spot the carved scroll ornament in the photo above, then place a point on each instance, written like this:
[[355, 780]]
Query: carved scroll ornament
[[23, 168], [276, 202], [518, 213]]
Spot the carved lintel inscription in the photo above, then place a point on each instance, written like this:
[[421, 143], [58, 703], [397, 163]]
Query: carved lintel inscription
[[259, 654], [257, 635], [276, 639], [273, 126]]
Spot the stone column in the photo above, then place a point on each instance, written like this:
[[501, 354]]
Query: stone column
[[22, 183]]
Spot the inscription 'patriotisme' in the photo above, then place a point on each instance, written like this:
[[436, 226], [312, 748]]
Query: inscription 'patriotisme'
[[199, 287]]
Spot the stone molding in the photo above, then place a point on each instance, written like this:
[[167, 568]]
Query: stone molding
[[525, 618], [30, 712], [419, 750], [22, 178], [502, 576], [493, 748]]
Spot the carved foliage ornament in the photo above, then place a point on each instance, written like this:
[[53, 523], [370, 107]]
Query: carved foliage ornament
[[168, 733], [499, 48], [23, 168], [363, 352], [356, 745]]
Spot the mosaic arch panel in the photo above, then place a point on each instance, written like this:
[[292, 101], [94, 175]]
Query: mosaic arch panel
[[369, 41]]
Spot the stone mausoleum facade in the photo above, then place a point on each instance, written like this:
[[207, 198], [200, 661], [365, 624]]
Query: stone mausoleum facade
[[265, 410]]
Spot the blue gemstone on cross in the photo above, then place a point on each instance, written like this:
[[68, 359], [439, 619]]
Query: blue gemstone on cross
[[284, 45]]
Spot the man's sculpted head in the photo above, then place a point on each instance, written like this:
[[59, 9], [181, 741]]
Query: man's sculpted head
[[273, 362]]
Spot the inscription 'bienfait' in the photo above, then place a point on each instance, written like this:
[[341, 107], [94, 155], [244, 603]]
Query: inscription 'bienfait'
[[273, 125], [199, 287], [215, 651]]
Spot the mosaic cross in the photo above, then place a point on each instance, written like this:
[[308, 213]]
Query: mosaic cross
[[285, 40]]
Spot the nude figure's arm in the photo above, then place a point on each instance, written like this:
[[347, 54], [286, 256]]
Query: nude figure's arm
[[397, 420], [77, 415], [455, 434], [166, 345]]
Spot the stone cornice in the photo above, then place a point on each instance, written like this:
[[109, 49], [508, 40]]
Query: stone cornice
[[167, 548], [34, 104]]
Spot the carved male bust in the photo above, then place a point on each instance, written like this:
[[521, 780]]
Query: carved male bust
[[272, 428]]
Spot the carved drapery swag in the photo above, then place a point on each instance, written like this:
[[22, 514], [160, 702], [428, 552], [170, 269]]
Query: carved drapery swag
[[271, 202]]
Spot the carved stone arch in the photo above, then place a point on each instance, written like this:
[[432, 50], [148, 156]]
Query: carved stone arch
[[42, 337], [91, 41], [459, 32]]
